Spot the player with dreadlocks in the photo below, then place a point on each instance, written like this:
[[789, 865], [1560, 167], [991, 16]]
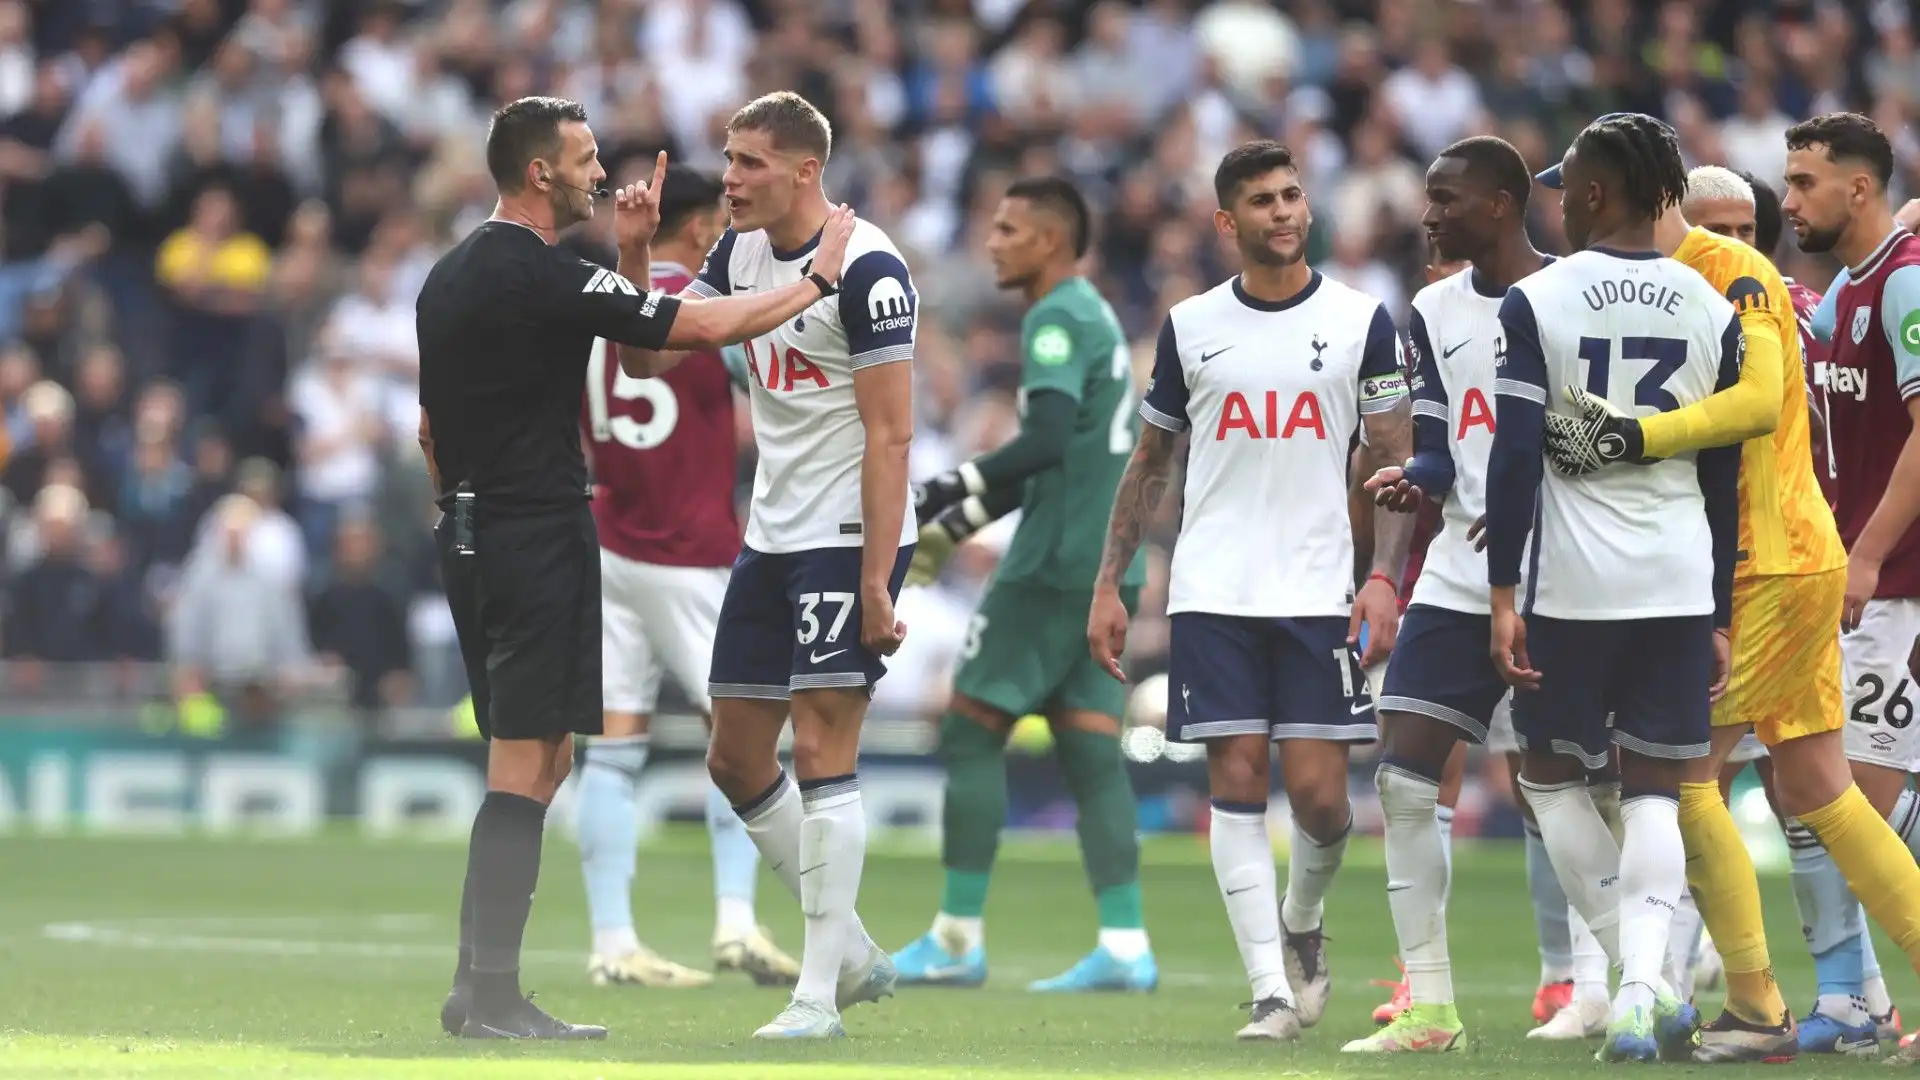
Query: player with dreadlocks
[[1786, 671], [1631, 571]]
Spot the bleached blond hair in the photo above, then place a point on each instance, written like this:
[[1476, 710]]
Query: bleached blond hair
[[1716, 182]]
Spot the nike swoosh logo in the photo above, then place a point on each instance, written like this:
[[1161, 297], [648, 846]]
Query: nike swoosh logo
[[1356, 710], [811, 869], [491, 1030], [1398, 888], [1241, 889], [1848, 1046], [1206, 356], [1444, 353], [819, 659]]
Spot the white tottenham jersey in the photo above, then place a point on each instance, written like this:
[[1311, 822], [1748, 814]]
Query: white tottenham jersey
[[1455, 342], [806, 489], [1273, 393], [1629, 541]]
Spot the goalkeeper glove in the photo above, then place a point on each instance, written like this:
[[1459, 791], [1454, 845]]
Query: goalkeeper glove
[[939, 537], [1599, 436], [931, 497]]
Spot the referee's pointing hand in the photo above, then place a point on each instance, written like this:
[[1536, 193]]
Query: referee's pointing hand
[[636, 209]]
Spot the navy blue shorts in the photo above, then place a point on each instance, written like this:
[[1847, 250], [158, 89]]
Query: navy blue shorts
[[1440, 668], [1282, 678], [792, 622], [1653, 675]]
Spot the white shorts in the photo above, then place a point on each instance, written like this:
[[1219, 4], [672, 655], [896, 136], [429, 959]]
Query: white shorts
[[1500, 736], [656, 620], [1881, 698], [1749, 748]]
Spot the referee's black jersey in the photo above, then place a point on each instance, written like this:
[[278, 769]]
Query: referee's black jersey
[[506, 323]]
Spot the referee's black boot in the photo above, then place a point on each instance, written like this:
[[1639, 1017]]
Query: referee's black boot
[[453, 1011], [498, 1011]]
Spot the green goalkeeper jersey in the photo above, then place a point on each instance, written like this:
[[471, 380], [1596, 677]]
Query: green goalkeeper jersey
[[1072, 344]]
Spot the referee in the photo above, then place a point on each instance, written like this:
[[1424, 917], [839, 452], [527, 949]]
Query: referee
[[506, 321]]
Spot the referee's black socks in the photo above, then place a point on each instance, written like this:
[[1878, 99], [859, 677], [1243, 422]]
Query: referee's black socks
[[503, 865]]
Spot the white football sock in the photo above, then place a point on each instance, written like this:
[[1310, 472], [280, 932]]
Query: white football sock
[[1606, 799], [736, 869], [1592, 979], [1683, 944], [1243, 867], [833, 851], [1879, 1002], [1653, 875], [1310, 870], [1444, 816], [774, 823], [967, 932], [1584, 855], [1417, 878], [1549, 912], [1125, 943]]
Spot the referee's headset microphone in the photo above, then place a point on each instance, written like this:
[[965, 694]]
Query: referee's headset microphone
[[599, 192]]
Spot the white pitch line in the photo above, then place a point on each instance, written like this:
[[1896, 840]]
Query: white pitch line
[[152, 934]]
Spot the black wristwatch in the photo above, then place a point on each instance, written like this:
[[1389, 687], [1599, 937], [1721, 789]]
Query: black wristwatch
[[827, 288]]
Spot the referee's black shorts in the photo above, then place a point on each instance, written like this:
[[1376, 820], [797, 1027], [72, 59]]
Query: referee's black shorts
[[526, 606]]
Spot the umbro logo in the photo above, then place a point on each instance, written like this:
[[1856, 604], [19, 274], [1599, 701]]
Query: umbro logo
[[1445, 353], [606, 281], [1206, 356]]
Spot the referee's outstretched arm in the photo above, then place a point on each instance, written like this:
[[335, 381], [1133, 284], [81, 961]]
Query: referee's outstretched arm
[[706, 324]]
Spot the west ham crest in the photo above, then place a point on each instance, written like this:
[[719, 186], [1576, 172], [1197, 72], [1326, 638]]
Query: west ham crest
[[1861, 317]]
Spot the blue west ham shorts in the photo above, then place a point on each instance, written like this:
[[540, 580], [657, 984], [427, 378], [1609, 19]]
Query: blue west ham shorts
[[1440, 668], [1282, 678], [792, 622], [1653, 675]]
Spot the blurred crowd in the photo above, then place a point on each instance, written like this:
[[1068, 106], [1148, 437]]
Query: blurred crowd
[[216, 215]]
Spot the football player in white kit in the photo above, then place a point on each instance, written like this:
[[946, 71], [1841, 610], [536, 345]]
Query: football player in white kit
[[1440, 686], [1630, 573], [1273, 371], [808, 614]]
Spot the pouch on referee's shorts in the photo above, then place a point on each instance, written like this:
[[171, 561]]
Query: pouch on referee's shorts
[[463, 520]]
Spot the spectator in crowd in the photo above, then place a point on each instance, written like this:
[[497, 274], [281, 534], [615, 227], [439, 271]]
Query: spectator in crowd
[[342, 408], [49, 412], [216, 276], [360, 624], [53, 612], [237, 630]]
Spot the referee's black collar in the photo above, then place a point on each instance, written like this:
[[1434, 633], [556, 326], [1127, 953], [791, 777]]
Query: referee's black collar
[[800, 252], [1240, 293]]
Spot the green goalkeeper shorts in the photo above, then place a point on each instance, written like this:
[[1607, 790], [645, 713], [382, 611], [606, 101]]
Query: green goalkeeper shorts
[[1026, 652]]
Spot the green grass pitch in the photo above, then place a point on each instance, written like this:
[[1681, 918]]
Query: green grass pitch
[[191, 959]]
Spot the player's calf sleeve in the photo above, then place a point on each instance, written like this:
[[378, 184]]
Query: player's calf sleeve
[[505, 865], [1876, 864], [773, 820], [1108, 823], [1591, 980], [1905, 820], [972, 812], [1417, 880], [1721, 874], [833, 851], [736, 865], [1549, 911], [609, 830], [1444, 816], [1243, 867], [1584, 854], [1829, 914], [1683, 942], [1311, 864], [1653, 874]]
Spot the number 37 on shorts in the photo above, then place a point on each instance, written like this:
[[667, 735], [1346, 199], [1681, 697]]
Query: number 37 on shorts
[[1881, 696], [791, 621]]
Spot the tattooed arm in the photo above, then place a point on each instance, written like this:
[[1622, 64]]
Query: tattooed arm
[[1390, 442], [1139, 495], [1141, 489]]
